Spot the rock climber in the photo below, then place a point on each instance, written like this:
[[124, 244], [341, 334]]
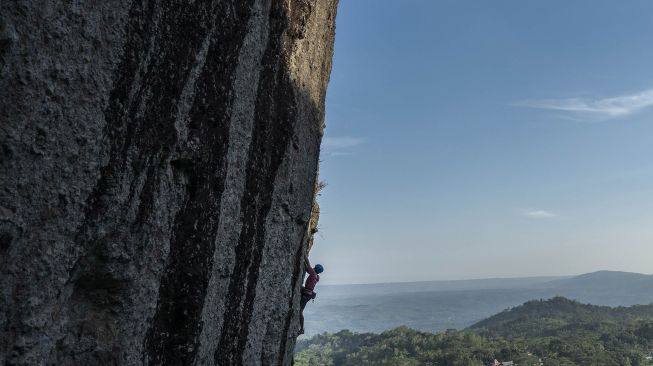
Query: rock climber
[[308, 290]]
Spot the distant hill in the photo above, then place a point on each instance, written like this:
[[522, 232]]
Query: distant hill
[[559, 315], [605, 288], [605, 278], [557, 331], [613, 280]]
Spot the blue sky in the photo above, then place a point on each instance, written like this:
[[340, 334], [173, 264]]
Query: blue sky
[[473, 139]]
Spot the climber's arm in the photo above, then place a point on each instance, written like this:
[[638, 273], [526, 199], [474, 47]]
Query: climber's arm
[[309, 268]]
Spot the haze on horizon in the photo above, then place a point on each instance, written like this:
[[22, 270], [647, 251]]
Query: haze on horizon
[[470, 139]]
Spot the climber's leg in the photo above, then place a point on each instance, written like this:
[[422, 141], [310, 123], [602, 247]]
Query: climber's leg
[[305, 299]]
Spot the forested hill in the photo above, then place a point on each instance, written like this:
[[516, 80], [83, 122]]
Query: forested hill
[[542, 332], [560, 315]]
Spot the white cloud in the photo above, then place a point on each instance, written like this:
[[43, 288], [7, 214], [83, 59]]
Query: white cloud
[[336, 146], [611, 107], [540, 214]]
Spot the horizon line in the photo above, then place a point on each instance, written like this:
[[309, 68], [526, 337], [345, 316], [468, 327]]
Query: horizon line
[[486, 278]]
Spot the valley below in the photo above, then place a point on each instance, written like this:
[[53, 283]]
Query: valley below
[[440, 305], [600, 318]]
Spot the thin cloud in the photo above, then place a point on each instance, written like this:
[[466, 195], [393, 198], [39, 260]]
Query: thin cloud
[[338, 146], [540, 214], [603, 108]]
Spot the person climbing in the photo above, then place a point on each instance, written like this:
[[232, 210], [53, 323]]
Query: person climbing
[[308, 290]]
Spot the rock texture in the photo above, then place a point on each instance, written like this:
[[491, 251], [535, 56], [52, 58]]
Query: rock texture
[[157, 169]]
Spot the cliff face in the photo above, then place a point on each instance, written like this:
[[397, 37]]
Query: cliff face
[[157, 170]]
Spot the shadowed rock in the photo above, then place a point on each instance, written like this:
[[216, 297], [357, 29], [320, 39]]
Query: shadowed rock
[[158, 167]]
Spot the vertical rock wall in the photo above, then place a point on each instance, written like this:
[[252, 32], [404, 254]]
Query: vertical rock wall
[[157, 166]]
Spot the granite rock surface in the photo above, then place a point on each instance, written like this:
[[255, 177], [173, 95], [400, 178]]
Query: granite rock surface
[[157, 169]]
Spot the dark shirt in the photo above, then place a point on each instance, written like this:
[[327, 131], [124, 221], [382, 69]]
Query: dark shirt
[[312, 279]]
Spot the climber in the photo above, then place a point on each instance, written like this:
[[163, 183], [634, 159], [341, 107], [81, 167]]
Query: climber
[[308, 290]]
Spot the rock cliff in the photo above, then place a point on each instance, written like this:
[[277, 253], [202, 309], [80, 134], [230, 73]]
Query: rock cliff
[[157, 168]]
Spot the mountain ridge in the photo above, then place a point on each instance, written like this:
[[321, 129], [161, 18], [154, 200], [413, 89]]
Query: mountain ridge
[[549, 317]]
